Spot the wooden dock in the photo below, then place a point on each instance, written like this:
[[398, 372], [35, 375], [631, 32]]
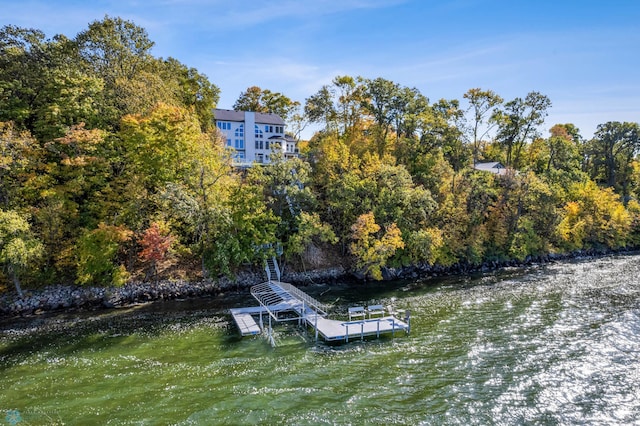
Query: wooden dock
[[284, 302]]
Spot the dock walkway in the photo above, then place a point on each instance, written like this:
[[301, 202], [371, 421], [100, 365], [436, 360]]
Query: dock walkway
[[284, 302]]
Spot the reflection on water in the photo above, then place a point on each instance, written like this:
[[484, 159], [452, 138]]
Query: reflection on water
[[558, 344]]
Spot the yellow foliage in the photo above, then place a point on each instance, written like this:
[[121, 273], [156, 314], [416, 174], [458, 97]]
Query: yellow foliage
[[370, 251], [595, 216]]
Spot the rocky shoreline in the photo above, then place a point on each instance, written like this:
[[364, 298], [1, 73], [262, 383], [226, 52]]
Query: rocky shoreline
[[69, 297]]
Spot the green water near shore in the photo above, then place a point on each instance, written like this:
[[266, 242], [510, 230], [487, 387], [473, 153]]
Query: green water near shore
[[558, 344]]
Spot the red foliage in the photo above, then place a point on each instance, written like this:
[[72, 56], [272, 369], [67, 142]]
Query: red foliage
[[155, 244]]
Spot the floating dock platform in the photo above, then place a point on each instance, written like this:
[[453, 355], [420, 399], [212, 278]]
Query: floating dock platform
[[280, 301]]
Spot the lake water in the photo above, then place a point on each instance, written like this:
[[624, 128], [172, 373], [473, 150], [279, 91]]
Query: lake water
[[555, 344]]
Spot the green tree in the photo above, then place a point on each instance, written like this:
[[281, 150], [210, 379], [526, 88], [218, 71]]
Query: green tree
[[382, 101], [310, 229], [265, 101], [482, 104], [114, 48], [19, 249], [22, 52], [97, 256], [338, 106], [286, 191], [42, 87], [392, 108], [517, 124], [613, 148], [161, 146]]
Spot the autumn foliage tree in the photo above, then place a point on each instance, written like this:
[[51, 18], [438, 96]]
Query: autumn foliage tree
[[372, 248], [155, 244], [100, 141]]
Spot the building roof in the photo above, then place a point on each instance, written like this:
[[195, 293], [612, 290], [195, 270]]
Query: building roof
[[493, 167], [261, 118]]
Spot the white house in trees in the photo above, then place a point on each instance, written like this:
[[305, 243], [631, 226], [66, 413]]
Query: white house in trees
[[254, 136], [491, 167]]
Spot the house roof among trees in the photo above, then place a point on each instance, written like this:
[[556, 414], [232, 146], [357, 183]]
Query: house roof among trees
[[493, 167], [261, 118]]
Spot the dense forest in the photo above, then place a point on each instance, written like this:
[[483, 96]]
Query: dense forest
[[111, 169]]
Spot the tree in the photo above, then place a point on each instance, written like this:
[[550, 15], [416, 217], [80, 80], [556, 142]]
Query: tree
[[338, 106], [162, 146], [195, 91], [286, 191], [265, 101], [393, 108], [42, 87], [613, 148], [371, 249], [22, 52], [97, 256], [240, 227], [481, 106], [19, 158], [594, 217], [382, 102], [114, 49], [310, 229], [19, 249], [517, 124], [156, 243]]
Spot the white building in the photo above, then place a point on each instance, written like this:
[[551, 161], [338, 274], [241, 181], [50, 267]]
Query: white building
[[491, 167], [254, 136]]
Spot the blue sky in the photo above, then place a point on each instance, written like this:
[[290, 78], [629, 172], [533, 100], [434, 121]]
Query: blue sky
[[584, 55]]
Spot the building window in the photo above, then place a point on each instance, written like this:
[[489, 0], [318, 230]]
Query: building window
[[240, 131], [259, 134], [267, 145], [228, 142], [239, 144], [266, 128], [224, 125], [260, 158]]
